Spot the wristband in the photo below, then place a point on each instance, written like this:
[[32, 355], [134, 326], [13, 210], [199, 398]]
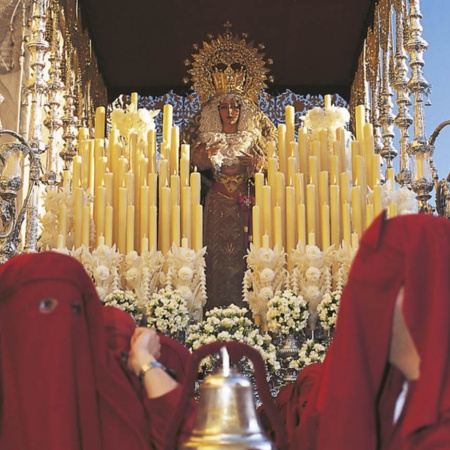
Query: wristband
[[146, 367]]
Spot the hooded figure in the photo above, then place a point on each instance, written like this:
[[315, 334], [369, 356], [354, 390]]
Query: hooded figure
[[397, 298], [64, 383]]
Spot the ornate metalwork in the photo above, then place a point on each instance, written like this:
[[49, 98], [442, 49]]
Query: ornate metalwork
[[403, 120], [69, 119], [185, 108], [53, 122], [10, 184], [388, 151], [37, 88], [419, 87]]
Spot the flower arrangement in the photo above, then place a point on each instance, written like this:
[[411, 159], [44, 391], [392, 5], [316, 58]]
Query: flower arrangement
[[328, 309], [312, 275], [132, 120], [186, 274], [326, 118], [142, 273], [231, 324], [266, 274], [310, 352], [103, 266], [126, 301], [50, 220], [287, 312], [167, 312]]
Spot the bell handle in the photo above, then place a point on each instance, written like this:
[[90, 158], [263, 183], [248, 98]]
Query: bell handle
[[236, 350]]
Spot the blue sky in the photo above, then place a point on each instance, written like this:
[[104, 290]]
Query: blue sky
[[436, 31]]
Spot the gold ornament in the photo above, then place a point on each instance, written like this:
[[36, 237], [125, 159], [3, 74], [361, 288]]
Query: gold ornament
[[228, 64]]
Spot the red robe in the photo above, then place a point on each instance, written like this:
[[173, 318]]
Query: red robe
[[64, 382], [351, 405]]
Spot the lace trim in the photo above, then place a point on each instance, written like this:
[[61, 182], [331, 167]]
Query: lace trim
[[232, 146]]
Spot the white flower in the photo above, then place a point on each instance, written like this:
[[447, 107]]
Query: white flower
[[231, 323], [132, 274], [327, 310], [167, 311], [102, 273], [287, 312], [312, 274], [313, 253], [185, 274], [267, 255], [185, 292], [266, 275], [309, 353], [266, 292], [126, 301]]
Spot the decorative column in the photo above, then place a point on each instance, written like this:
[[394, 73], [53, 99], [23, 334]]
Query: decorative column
[[400, 81], [388, 151], [53, 122], [419, 149], [36, 88], [69, 119]]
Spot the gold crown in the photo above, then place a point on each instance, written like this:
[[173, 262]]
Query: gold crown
[[229, 80], [228, 64]]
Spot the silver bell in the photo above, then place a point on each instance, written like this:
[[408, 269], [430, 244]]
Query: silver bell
[[226, 416]]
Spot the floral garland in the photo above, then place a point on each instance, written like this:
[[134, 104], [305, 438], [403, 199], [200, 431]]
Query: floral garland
[[126, 301], [287, 312], [167, 312], [231, 324], [328, 309], [310, 352]]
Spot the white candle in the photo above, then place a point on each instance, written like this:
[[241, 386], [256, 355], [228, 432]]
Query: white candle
[[99, 126], [186, 218], [325, 216], [360, 119], [311, 207], [301, 219], [356, 211], [164, 212], [130, 229], [176, 225], [256, 213], [122, 220], [153, 228], [63, 222], [143, 217], [278, 232], [109, 214], [198, 230], [144, 245], [85, 225]]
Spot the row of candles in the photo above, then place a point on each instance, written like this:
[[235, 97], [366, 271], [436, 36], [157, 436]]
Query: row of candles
[[312, 191], [139, 202]]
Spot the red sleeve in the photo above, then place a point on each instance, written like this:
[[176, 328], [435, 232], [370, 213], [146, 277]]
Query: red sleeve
[[160, 411]]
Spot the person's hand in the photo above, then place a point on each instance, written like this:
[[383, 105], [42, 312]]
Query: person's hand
[[145, 347], [214, 148], [247, 158]]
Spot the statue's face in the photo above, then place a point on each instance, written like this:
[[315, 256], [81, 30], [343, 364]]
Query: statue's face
[[229, 111]]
